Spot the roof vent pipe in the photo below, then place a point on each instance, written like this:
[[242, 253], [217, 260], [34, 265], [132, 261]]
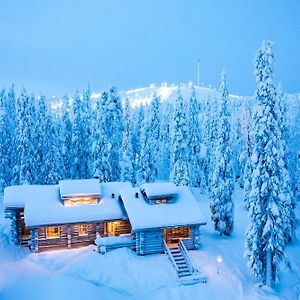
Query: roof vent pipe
[[136, 195], [113, 195]]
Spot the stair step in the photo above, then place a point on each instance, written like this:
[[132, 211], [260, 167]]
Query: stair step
[[181, 264], [184, 273]]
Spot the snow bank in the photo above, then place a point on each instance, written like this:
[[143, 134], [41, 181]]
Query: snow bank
[[113, 240]]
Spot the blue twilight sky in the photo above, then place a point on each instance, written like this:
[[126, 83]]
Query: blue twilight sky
[[56, 46]]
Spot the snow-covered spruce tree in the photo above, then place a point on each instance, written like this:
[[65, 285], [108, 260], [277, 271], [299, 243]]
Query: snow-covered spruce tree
[[154, 133], [42, 140], [127, 171], [265, 235], [210, 134], [86, 160], [294, 153], [10, 108], [66, 137], [114, 118], [246, 156], [194, 143], [165, 140], [287, 196], [78, 139], [145, 171], [101, 144], [179, 161], [53, 161], [4, 143], [138, 117], [25, 132], [222, 182]]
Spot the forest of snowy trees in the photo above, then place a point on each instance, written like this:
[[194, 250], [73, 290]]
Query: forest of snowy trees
[[191, 141]]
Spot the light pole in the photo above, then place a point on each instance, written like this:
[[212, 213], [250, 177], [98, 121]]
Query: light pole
[[219, 261]]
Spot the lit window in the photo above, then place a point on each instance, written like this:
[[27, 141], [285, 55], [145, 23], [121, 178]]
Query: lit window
[[83, 229], [79, 201], [157, 201], [53, 232]]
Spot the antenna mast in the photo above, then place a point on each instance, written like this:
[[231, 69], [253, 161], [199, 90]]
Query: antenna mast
[[198, 72]]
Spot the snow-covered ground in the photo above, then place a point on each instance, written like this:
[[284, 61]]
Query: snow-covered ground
[[120, 274]]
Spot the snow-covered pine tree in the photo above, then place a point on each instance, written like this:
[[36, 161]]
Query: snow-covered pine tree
[[5, 139], [154, 134], [194, 143], [265, 235], [113, 115], [10, 108], [53, 160], [86, 160], [179, 161], [101, 145], [25, 132], [42, 140], [66, 137], [287, 196], [210, 135], [78, 139], [165, 140], [145, 171], [222, 181], [127, 171], [138, 117]]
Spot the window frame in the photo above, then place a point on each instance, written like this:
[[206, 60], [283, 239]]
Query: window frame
[[50, 235], [80, 229]]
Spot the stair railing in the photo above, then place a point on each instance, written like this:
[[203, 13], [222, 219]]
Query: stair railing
[[167, 249], [185, 255]]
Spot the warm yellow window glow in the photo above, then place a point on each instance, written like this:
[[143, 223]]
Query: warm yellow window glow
[[80, 201], [161, 201], [53, 232], [83, 229]]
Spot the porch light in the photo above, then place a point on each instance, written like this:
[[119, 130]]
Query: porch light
[[219, 261]]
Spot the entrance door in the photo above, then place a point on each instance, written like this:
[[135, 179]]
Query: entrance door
[[172, 235], [110, 228], [25, 232]]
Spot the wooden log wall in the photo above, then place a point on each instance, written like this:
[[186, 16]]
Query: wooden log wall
[[150, 241], [70, 238], [123, 227]]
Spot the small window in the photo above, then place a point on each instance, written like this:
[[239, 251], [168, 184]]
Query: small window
[[83, 229], [157, 201], [53, 232], [80, 201]]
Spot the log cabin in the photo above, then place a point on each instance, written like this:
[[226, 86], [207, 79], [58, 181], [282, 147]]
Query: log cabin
[[162, 213], [66, 215], [79, 212]]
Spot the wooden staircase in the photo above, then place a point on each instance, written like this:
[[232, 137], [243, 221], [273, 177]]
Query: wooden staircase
[[179, 257]]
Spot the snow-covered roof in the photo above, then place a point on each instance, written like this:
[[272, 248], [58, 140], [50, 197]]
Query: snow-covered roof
[[159, 189], [142, 215], [17, 196], [80, 187], [43, 206]]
